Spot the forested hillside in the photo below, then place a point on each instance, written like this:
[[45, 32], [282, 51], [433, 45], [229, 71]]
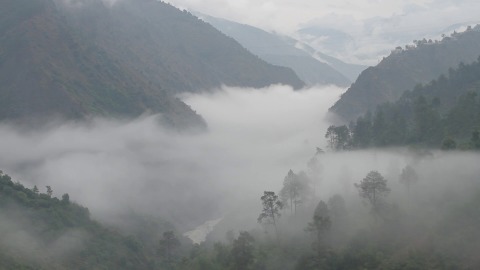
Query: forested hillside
[[444, 113], [76, 59], [397, 189], [40, 231], [404, 69], [173, 48]]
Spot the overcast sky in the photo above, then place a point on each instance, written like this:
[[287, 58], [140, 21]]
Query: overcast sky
[[375, 25]]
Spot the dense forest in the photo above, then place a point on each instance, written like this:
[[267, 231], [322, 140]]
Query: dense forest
[[444, 113]]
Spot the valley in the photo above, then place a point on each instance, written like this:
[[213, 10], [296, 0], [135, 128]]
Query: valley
[[190, 135]]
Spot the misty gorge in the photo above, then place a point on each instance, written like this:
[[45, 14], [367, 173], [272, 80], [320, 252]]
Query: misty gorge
[[249, 135]]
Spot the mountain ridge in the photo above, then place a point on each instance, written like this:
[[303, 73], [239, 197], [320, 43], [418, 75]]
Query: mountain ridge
[[283, 51], [404, 69], [445, 113], [82, 59]]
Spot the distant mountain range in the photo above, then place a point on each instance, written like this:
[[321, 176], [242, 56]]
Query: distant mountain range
[[82, 58], [368, 41], [311, 66], [404, 69], [324, 37]]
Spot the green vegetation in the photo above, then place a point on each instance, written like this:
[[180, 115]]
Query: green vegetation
[[374, 188], [79, 65], [39, 231], [442, 114], [406, 68], [320, 226], [48, 69], [271, 209], [435, 229], [394, 238], [242, 251], [120, 61], [295, 191]]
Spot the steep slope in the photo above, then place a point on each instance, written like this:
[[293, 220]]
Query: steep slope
[[39, 231], [76, 59], [47, 70], [171, 48], [404, 69], [324, 38], [443, 113], [351, 71], [281, 51]]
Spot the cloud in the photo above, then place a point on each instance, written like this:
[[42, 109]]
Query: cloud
[[376, 27], [21, 238], [284, 16], [255, 136], [81, 3]]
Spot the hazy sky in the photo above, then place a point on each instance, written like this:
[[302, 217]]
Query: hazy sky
[[288, 15], [376, 26]]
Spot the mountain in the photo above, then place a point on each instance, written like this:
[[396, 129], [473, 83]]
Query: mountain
[[445, 113], [83, 58], [458, 27], [329, 39], [40, 231], [173, 48], [341, 45], [310, 66], [351, 71], [47, 69], [403, 69]]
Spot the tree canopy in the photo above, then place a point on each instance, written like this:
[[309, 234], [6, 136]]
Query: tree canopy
[[373, 188], [271, 209]]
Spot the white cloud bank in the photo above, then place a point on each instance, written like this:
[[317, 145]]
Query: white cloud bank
[[255, 137]]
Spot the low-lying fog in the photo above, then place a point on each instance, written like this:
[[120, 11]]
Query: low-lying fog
[[255, 137]]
